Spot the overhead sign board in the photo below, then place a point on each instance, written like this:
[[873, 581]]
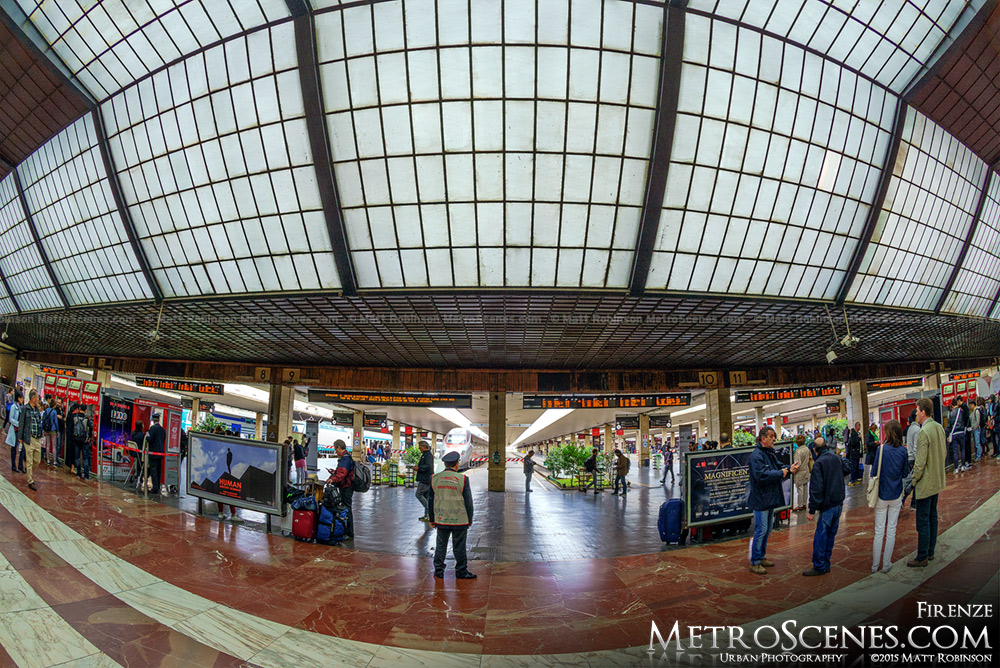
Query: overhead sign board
[[546, 401], [423, 399], [965, 375], [832, 407], [623, 422], [174, 385], [343, 419], [203, 406], [376, 422], [69, 373], [898, 384], [660, 421], [783, 394]]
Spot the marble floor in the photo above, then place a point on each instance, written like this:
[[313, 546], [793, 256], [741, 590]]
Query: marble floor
[[93, 575]]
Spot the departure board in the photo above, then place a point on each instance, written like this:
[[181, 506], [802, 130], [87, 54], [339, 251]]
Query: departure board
[[424, 400], [59, 371], [173, 385], [965, 375], [750, 396], [898, 384], [546, 401]]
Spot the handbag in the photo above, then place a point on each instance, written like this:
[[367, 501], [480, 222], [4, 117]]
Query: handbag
[[873, 481]]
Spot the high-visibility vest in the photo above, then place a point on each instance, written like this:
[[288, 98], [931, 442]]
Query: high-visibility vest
[[449, 504]]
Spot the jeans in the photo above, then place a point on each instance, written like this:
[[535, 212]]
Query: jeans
[[347, 496], [826, 532], [527, 481], [624, 483], [855, 468], [458, 536], [886, 516], [956, 447], [927, 527], [763, 520], [300, 472], [83, 461], [668, 468], [977, 440], [423, 489], [51, 441]]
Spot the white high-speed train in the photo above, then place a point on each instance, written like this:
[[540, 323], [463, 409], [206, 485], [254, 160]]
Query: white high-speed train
[[459, 440]]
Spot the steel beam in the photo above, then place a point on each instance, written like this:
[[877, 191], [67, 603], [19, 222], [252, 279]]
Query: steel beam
[[876, 208], [671, 56], [123, 213], [968, 242], [305, 45], [38, 240]]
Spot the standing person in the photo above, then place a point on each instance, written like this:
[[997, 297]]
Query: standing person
[[342, 478], [891, 468], [871, 444], [30, 434], [529, 469], [157, 440], [425, 471], [977, 422], [621, 470], [138, 435], [590, 466], [80, 433], [912, 434], [853, 444], [450, 506], [928, 481], [956, 436], [766, 474], [826, 497], [299, 455], [13, 440], [803, 457], [967, 416], [50, 426], [725, 441], [668, 465], [61, 434]]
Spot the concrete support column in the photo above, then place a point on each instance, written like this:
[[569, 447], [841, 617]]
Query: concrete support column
[[701, 429], [498, 442], [101, 376], [609, 438], [258, 429], [812, 421], [357, 445], [644, 439], [195, 413], [932, 382], [279, 412], [779, 421], [8, 366], [857, 404], [395, 436], [758, 418], [720, 413]]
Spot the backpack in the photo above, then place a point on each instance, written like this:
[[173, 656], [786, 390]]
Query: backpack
[[47, 417], [590, 465], [982, 418], [80, 428], [332, 525], [362, 480], [331, 497], [628, 465]]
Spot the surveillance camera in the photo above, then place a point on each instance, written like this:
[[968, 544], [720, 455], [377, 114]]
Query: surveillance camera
[[849, 341], [3, 337], [830, 356]]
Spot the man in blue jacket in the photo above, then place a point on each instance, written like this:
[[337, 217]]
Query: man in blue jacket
[[826, 496], [766, 494]]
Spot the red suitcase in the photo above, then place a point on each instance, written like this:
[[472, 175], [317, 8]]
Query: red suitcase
[[304, 524]]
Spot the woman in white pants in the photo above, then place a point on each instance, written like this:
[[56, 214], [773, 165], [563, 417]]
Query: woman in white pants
[[891, 467]]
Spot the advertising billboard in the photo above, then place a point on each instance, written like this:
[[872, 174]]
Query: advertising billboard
[[718, 481], [237, 471], [115, 428]]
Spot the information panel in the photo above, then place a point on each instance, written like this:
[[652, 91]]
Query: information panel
[[660, 421], [575, 401], [750, 396], [237, 471], [69, 373], [965, 375], [376, 422], [623, 422], [174, 385], [897, 384], [718, 483], [343, 419], [392, 398]]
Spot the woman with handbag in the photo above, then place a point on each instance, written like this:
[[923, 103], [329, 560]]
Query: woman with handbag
[[885, 493]]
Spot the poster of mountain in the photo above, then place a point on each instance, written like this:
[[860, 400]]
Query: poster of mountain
[[242, 472]]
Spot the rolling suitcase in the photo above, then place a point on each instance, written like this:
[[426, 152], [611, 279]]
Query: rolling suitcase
[[670, 520], [304, 518]]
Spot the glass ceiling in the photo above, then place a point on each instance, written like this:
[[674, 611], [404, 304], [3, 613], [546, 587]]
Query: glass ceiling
[[484, 144]]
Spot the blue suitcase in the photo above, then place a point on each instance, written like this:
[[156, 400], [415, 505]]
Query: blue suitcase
[[670, 521]]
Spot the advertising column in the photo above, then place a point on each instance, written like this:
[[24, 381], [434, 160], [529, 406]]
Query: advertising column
[[115, 429]]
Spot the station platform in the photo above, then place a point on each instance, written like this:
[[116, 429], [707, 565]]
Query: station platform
[[94, 575]]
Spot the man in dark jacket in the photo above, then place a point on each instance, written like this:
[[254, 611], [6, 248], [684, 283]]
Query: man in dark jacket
[[766, 474], [425, 469], [157, 441], [853, 446], [826, 497], [342, 478], [450, 506]]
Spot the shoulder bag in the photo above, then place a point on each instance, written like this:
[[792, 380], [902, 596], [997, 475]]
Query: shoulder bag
[[873, 481]]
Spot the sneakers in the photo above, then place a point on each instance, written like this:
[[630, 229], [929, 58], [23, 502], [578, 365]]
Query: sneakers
[[439, 576], [424, 519], [237, 520], [757, 569], [766, 564], [466, 576], [812, 572], [222, 517]]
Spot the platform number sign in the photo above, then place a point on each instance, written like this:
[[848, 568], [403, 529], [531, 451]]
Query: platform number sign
[[290, 375], [708, 378], [737, 378], [262, 374]]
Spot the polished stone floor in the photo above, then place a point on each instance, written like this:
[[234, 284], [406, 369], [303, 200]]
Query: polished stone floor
[[93, 575]]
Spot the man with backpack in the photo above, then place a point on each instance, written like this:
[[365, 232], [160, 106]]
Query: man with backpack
[[342, 478], [50, 425], [622, 465], [79, 436], [590, 466], [529, 469]]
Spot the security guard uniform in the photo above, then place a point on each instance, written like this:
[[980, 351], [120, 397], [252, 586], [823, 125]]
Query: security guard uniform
[[450, 509]]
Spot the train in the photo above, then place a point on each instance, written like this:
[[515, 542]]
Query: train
[[461, 441]]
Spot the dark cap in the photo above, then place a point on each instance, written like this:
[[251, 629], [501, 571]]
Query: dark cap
[[451, 457], [156, 417]]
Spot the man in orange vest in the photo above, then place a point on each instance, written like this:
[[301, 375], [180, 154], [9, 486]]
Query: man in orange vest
[[449, 506]]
